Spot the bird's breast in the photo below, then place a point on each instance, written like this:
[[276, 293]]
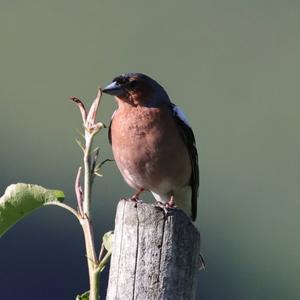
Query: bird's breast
[[148, 148]]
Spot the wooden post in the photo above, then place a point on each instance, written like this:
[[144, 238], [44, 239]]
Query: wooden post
[[154, 256]]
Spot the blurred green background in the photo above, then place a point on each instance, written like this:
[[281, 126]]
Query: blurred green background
[[233, 66]]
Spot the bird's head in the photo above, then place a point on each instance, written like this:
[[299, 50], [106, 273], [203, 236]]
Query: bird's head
[[137, 89]]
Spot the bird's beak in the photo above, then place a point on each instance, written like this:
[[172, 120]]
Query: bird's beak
[[113, 89]]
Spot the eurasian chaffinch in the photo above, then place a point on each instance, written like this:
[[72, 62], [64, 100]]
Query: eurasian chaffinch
[[153, 143]]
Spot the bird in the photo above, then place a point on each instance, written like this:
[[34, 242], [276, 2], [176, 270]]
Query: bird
[[153, 143]]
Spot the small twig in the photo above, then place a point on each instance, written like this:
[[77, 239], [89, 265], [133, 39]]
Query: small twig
[[91, 238], [101, 252], [79, 194], [80, 145], [103, 262], [105, 161], [80, 133], [81, 107], [91, 116], [91, 260], [97, 150], [97, 168]]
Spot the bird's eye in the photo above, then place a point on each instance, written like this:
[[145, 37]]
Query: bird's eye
[[133, 84]]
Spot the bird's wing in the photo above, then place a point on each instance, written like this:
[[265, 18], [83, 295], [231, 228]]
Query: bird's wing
[[188, 137], [109, 127]]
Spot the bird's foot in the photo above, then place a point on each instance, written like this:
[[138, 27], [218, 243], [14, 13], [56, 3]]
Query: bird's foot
[[171, 203], [162, 206], [135, 198], [166, 207]]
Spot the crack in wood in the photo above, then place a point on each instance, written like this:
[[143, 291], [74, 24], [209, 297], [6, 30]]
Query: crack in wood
[[137, 252], [161, 249]]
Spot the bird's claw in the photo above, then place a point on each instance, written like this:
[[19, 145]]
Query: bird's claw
[[165, 207], [134, 199]]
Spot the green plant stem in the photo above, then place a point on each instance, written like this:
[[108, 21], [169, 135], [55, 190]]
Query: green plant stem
[[87, 173], [86, 222], [103, 262], [91, 261], [94, 286]]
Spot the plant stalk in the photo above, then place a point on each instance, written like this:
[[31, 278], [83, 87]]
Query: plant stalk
[[87, 174], [84, 197], [86, 222]]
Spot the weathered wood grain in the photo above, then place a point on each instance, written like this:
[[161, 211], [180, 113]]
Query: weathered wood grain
[[154, 256]]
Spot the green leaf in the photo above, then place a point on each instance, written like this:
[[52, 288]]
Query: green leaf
[[21, 199], [84, 296], [107, 240]]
